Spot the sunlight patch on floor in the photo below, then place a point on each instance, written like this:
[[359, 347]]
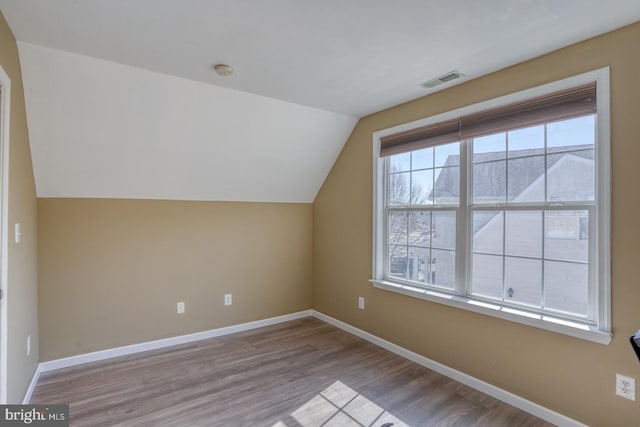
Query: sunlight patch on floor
[[341, 406]]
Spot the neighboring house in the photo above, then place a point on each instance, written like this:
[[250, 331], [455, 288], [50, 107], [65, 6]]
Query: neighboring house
[[569, 177]]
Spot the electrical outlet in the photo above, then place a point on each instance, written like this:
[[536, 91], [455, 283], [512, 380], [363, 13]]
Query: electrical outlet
[[361, 303], [180, 307], [228, 299], [626, 387]]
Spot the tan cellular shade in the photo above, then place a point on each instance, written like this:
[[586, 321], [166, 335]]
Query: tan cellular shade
[[574, 102], [422, 137]]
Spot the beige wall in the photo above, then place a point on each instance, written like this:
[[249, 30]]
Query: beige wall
[[22, 310], [112, 271], [568, 375]]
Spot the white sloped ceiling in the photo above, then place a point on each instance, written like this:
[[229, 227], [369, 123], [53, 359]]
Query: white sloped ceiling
[[105, 130], [165, 126]]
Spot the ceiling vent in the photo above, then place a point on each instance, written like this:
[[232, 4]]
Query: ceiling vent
[[451, 75]]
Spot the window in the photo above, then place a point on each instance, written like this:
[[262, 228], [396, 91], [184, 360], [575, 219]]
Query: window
[[502, 207]]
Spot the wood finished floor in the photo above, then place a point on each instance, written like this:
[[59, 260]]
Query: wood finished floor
[[299, 373]]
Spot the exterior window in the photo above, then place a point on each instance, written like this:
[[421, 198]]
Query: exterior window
[[529, 252], [422, 225], [509, 219]]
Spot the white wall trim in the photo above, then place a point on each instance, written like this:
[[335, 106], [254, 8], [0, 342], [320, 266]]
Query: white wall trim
[[496, 392], [166, 342], [5, 119], [32, 385]]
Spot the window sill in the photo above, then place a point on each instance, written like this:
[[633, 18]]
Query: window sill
[[549, 323]]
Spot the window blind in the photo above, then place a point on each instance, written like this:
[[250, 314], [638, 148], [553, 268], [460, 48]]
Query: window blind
[[422, 137], [573, 102]]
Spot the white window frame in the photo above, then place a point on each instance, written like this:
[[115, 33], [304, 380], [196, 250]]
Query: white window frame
[[599, 332]]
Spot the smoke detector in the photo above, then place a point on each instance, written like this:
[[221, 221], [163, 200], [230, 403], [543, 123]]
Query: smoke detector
[[223, 70], [445, 78]]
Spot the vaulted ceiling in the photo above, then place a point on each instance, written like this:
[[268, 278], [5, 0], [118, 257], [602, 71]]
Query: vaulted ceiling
[[122, 100]]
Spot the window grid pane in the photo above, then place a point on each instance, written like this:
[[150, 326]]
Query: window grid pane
[[513, 249], [421, 246], [421, 241], [554, 162], [524, 252]]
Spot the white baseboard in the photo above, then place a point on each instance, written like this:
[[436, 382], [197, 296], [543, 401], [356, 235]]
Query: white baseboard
[[32, 386], [496, 392], [153, 345]]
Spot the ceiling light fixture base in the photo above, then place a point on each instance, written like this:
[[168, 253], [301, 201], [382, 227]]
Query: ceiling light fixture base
[[223, 70]]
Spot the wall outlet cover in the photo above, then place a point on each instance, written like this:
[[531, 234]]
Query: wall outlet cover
[[626, 387]]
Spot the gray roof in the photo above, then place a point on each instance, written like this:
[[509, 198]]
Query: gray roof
[[523, 171], [525, 167]]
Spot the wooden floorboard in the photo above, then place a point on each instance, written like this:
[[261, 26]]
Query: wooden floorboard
[[299, 373]]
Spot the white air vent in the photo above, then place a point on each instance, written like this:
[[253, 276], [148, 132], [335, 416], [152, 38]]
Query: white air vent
[[452, 75]]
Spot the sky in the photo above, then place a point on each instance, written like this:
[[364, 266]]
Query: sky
[[562, 135]]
